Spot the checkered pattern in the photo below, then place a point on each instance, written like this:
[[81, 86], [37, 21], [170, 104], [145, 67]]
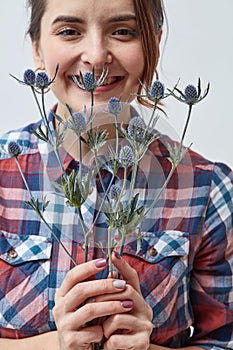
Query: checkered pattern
[[187, 280]]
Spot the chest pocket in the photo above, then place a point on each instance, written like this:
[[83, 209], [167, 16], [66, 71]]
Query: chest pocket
[[163, 270], [24, 273]]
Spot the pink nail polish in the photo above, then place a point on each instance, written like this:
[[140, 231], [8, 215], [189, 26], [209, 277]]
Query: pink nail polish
[[100, 263], [127, 304], [119, 284]]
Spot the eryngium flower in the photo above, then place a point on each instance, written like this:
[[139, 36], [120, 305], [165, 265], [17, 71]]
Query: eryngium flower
[[126, 156], [29, 77], [190, 93], [157, 90], [42, 81], [136, 128], [79, 123], [14, 149], [115, 192], [89, 81], [114, 106]]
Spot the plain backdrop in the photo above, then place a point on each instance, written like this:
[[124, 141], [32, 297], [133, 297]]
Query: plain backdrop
[[199, 43]]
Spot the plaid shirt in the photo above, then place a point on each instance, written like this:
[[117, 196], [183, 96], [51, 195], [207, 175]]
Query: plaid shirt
[[185, 264]]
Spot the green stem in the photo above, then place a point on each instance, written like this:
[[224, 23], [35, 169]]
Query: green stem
[[186, 125], [46, 124], [91, 108], [117, 134], [24, 179], [162, 189], [56, 151], [132, 184], [80, 155], [122, 190], [122, 244], [110, 252], [39, 213], [85, 233], [99, 174], [55, 236], [152, 117], [45, 114]]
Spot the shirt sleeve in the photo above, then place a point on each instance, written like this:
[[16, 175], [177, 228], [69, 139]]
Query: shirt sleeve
[[211, 286]]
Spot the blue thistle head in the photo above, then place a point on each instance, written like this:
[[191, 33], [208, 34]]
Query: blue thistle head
[[42, 81], [29, 77], [79, 123], [14, 149], [89, 81], [126, 156], [157, 90], [115, 192], [114, 106], [136, 128], [190, 93]]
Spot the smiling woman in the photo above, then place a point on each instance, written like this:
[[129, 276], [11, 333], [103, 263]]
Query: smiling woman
[[97, 36], [58, 287]]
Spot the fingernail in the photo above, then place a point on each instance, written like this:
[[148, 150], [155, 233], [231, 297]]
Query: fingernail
[[117, 255], [119, 284], [100, 263], [127, 304]]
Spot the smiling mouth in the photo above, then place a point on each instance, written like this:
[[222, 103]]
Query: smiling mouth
[[111, 80], [106, 82]]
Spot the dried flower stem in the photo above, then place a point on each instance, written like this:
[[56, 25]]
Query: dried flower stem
[[35, 207]]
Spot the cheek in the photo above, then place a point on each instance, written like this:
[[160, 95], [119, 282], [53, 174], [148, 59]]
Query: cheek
[[134, 59], [52, 58]]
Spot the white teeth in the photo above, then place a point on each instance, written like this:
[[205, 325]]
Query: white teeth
[[109, 81]]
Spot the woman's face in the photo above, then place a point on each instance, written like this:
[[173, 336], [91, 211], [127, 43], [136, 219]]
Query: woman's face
[[81, 34]]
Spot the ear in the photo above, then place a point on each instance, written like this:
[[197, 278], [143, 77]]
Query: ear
[[37, 55]]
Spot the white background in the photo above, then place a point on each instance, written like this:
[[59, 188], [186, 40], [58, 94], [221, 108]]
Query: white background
[[199, 44]]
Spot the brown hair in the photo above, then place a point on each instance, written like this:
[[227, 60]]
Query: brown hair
[[150, 18]]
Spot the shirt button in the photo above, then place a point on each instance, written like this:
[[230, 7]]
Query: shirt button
[[12, 254], [152, 251]]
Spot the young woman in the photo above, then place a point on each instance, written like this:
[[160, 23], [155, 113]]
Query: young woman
[[181, 277]]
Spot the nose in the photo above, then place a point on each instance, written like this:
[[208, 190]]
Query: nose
[[95, 52]]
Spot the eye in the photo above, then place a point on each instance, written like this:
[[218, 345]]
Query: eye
[[125, 32], [68, 32]]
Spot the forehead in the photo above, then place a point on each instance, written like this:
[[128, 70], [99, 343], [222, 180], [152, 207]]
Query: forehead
[[96, 8]]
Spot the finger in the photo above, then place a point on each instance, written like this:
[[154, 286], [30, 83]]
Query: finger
[[128, 293], [128, 341], [129, 274], [82, 338], [85, 291], [126, 323], [90, 311], [80, 273]]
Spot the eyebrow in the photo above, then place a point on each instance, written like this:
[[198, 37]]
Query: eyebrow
[[74, 19]]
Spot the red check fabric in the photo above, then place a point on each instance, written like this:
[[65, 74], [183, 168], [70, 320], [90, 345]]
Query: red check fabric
[[185, 263]]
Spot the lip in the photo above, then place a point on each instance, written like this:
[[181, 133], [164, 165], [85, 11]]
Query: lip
[[108, 87], [105, 88]]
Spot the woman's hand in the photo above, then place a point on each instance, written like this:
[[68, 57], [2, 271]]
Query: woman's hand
[[130, 330], [77, 304]]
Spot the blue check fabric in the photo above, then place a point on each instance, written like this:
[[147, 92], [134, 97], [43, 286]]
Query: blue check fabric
[[184, 263]]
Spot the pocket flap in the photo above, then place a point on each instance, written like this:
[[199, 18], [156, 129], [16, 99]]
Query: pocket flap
[[156, 246], [17, 249]]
